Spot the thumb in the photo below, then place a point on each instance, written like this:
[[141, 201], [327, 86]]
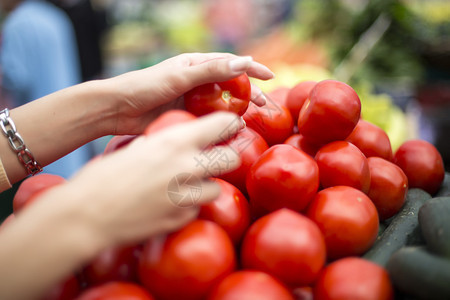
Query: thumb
[[220, 69]]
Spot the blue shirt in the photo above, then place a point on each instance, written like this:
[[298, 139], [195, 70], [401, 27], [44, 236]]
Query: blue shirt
[[39, 56]]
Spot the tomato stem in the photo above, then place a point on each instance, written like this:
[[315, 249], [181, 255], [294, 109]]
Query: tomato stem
[[226, 96]]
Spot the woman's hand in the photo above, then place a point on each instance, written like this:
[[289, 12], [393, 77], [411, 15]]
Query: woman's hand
[[149, 92], [155, 183]]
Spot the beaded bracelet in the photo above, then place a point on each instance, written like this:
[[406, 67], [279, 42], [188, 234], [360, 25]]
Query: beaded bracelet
[[17, 144]]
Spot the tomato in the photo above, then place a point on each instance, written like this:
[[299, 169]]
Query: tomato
[[188, 263], [297, 97], [298, 141], [67, 289], [112, 264], [116, 290], [230, 210], [272, 121], [330, 114], [342, 163], [371, 140], [347, 218], [279, 95], [168, 118], [32, 186], [285, 244], [250, 145], [422, 164], [117, 142], [250, 284], [283, 176], [388, 187], [353, 278], [232, 95]]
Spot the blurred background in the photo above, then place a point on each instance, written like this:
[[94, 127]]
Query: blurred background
[[394, 53]]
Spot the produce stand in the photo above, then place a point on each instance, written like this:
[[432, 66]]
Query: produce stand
[[382, 51]]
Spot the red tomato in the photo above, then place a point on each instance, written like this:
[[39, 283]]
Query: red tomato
[[371, 140], [297, 97], [298, 141], [32, 186], [169, 118], [250, 145], [422, 164], [116, 290], [330, 113], [249, 284], [232, 95], [353, 278], [388, 187], [112, 264], [67, 289], [342, 163], [117, 142], [272, 121], [347, 218], [287, 245], [230, 210], [188, 263], [279, 95], [283, 176]]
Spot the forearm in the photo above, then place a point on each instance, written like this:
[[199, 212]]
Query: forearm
[[44, 244], [57, 124]]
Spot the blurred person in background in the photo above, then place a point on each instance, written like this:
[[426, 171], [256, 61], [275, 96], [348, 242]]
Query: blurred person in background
[[39, 56], [90, 23]]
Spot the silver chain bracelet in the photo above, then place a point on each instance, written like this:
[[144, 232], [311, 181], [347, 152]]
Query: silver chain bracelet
[[17, 144]]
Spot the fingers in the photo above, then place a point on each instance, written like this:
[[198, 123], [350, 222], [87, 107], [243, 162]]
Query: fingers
[[258, 96], [225, 67], [211, 129]]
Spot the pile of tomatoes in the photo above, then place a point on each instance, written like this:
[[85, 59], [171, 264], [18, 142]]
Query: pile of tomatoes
[[291, 222]]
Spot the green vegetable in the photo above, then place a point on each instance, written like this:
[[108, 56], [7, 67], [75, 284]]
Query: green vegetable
[[434, 220], [403, 229], [445, 187], [416, 272]]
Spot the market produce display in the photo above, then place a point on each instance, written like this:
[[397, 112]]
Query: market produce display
[[322, 207]]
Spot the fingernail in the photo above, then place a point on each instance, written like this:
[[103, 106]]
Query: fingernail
[[240, 64]]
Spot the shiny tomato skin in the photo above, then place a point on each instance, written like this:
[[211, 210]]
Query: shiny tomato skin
[[230, 210], [187, 263], [297, 97], [33, 186], [250, 284], [283, 176], [112, 264], [422, 164], [330, 114], [388, 186], [250, 145], [168, 118], [278, 95], [342, 163], [272, 121], [371, 140], [117, 142], [67, 289], [287, 245], [116, 290], [347, 218], [298, 141], [353, 278], [232, 95]]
